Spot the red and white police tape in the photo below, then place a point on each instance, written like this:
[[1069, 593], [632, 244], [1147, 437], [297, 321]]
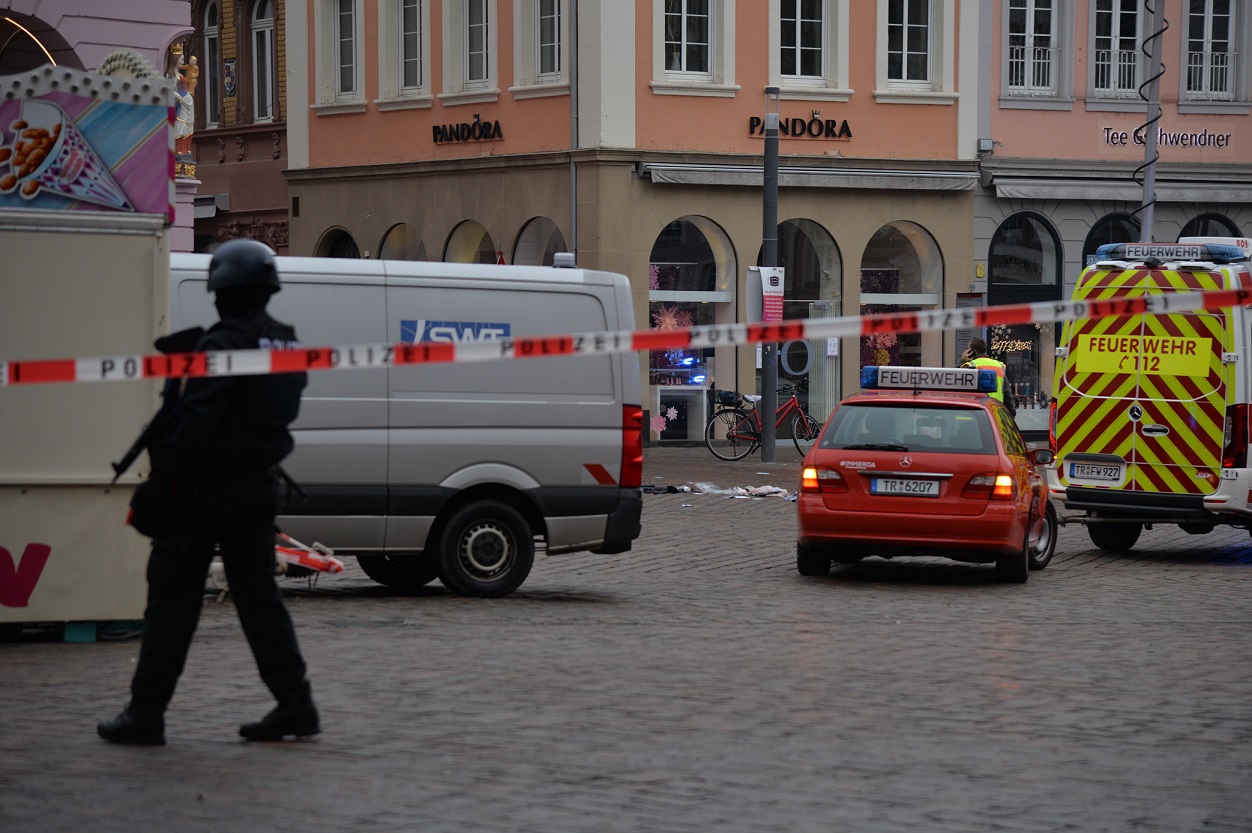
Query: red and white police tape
[[260, 362]]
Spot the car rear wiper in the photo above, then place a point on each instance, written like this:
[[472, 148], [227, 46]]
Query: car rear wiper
[[876, 447]]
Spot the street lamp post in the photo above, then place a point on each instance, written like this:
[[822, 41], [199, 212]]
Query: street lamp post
[[769, 257]]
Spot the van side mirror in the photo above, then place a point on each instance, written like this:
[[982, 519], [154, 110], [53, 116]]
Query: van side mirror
[[1042, 456]]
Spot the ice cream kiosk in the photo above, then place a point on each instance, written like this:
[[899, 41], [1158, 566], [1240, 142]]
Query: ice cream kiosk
[[86, 203]]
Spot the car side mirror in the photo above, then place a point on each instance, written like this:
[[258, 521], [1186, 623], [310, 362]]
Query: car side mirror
[[1042, 456]]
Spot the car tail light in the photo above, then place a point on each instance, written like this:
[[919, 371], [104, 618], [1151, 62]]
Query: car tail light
[[1052, 427], [990, 486], [1235, 449], [632, 447], [814, 479]]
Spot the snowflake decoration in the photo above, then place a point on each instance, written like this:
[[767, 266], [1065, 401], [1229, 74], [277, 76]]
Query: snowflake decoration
[[670, 317], [658, 423], [654, 276], [671, 413]]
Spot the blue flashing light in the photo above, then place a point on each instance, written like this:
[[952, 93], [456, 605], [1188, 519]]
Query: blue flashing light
[[1195, 252], [891, 377]]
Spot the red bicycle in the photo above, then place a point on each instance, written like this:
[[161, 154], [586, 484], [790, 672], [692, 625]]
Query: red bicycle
[[734, 430]]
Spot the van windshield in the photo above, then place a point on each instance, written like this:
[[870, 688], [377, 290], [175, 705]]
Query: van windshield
[[911, 428]]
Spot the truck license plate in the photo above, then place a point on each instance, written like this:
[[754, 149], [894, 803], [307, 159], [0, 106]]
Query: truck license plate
[[1089, 471], [912, 488]]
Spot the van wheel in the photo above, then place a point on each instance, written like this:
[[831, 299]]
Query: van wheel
[[485, 549], [1118, 537], [401, 572], [1045, 544], [812, 561]]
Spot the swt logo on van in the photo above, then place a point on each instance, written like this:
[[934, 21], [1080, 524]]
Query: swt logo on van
[[421, 329]]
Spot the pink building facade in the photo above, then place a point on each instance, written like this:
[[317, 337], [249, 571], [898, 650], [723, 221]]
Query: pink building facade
[[928, 157]]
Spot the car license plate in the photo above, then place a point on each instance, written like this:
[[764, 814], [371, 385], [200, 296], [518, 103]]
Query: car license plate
[[1090, 471], [912, 488]]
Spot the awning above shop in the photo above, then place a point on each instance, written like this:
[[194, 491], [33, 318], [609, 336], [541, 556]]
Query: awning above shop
[[1041, 188], [752, 176]]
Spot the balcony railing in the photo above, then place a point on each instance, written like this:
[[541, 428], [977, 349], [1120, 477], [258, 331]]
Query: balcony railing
[[1208, 76], [1031, 70], [1116, 74]]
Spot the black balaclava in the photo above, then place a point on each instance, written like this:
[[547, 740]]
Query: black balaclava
[[241, 301]]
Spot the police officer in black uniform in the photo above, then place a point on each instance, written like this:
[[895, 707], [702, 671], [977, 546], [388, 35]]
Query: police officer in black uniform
[[213, 484]]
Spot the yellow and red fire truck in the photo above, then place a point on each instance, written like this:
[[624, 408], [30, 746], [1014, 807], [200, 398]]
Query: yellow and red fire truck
[[1150, 413]]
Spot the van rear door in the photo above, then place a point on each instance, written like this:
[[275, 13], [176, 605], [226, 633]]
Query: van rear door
[[1141, 400]]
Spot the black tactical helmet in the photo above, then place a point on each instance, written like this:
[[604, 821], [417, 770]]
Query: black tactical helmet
[[243, 263]]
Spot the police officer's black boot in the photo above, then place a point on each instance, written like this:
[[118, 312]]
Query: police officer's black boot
[[295, 715], [134, 727]]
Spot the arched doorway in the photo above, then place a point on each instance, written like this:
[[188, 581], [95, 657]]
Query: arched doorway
[[1210, 225], [469, 243], [812, 280], [337, 243], [901, 271], [1118, 227], [402, 242], [27, 43], [691, 272], [539, 240], [1025, 263]]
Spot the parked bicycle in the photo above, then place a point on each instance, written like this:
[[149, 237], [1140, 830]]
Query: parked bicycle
[[734, 430]]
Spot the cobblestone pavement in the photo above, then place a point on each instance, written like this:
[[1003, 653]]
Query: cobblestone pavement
[[696, 683]]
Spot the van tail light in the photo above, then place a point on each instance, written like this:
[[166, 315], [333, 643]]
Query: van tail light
[[990, 486], [632, 447], [1052, 427], [1235, 448], [814, 479]]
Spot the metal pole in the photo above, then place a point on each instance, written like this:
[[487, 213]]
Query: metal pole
[[769, 257], [573, 128], [1153, 47]]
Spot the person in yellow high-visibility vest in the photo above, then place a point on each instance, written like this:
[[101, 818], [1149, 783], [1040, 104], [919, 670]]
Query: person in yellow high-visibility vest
[[975, 355]]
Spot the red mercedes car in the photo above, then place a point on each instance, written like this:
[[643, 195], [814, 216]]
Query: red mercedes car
[[923, 461]]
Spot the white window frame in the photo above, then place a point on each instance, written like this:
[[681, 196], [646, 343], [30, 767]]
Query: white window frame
[[457, 88], [328, 99], [212, 66], [264, 52], [1062, 95], [1127, 61], [1240, 98], [392, 92], [1208, 59], [1028, 58], [941, 86], [530, 81], [720, 78], [833, 84]]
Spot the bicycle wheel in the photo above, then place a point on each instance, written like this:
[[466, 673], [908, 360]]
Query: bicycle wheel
[[804, 430], [730, 434]]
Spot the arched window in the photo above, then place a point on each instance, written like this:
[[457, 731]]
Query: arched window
[[1111, 228], [339, 244], [264, 82], [212, 69], [1025, 251], [1210, 225], [402, 242], [539, 241], [901, 271]]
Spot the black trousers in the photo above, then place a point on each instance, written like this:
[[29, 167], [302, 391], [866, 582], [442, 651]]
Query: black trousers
[[177, 571]]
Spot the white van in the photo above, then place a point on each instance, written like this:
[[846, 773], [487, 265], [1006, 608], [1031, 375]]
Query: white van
[[1151, 413], [454, 470]]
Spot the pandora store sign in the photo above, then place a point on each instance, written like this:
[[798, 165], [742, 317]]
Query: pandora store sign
[[800, 128]]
